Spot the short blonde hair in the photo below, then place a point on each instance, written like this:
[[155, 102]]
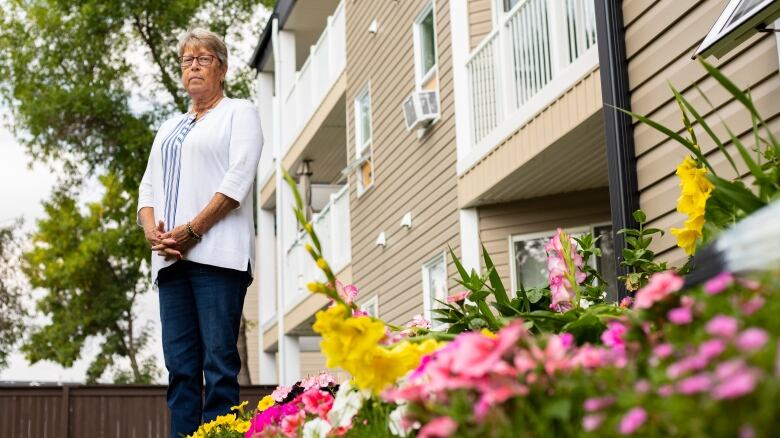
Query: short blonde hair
[[200, 37]]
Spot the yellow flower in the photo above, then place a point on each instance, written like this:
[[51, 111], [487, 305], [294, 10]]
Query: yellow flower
[[265, 403], [321, 263], [241, 426], [695, 189], [488, 333], [240, 407]]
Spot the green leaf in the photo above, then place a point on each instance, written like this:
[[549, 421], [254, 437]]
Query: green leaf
[[495, 280], [557, 409], [478, 296], [737, 193], [464, 275]]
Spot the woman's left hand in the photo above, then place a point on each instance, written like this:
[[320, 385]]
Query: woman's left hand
[[175, 243]]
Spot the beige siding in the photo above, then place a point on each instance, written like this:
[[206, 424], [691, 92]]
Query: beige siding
[[497, 223], [312, 363], [660, 38], [411, 175], [252, 330], [480, 20]]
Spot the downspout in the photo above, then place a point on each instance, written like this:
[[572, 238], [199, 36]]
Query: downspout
[[618, 127]]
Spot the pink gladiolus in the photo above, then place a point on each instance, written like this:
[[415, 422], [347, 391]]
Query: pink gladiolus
[[359, 312], [347, 292], [418, 321], [440, 427], [722, 326], [660, 286], [633, 420], [719, 283], [460, 296], [694, 384], [597, 404], [752, 339], [564, 265], [592, 422]]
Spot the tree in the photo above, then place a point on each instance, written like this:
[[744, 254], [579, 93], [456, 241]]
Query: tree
[[12, 310], [75, 75]]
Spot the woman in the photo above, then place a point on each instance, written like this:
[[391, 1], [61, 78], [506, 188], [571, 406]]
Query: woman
[[195, 205]]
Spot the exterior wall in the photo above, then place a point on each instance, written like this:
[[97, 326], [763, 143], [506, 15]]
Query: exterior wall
[[312, 363], [497, 223], [410, 174], [660, 39], [480, 20]]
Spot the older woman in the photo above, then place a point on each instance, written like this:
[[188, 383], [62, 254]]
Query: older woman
[[195, 205]]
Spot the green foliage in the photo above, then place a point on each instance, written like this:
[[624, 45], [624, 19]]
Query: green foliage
[[372, 420], [638, 258], [76, 77], [12, 310]]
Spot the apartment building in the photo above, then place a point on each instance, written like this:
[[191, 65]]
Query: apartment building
[[415, 126]]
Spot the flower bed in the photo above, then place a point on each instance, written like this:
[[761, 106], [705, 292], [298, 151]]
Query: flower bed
[[559, 361]]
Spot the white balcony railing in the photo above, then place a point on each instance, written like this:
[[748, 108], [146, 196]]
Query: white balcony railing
[[326, 61], [332, 227], [538, 50]]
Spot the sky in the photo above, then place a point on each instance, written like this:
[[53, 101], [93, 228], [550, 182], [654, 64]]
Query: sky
[[24, 185]]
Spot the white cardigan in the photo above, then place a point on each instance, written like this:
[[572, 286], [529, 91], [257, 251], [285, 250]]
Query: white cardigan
[[219, 155]]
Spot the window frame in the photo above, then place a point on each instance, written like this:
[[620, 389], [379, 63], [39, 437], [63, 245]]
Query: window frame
[[371, 302], [724, 37], [427, 298], [364, 152], [420, 77], [580, 229]]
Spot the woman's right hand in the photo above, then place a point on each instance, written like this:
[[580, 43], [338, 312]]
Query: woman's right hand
[[164, 247], [154, 235]]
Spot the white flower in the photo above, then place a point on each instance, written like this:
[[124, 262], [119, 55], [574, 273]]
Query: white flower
[[396, 421], [316, 428], [346, 405]]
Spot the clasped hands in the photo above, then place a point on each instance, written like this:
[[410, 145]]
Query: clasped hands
[[171, 245]]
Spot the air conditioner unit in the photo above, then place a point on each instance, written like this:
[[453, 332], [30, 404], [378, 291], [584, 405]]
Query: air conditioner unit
[[420, 109]]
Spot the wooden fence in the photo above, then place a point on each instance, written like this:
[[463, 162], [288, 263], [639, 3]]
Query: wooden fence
[[93, 411]]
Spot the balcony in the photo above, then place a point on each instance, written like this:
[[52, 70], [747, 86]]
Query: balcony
[[539, 50], [332, 227], [314, 80]]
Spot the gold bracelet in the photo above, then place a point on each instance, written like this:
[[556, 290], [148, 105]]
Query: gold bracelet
[[192, 232]]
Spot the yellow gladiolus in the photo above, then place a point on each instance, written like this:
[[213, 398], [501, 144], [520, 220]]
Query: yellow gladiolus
[[695, 189]]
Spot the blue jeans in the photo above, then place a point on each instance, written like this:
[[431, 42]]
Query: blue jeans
[[200, 311]]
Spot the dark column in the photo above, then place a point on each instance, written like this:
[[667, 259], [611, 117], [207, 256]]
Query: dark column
[[618, 127]]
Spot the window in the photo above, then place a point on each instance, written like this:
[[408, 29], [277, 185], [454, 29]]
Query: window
[[529, 266], [434, 276], [363, 141], [509, 4], [371, 306], [425, 50], [740, 20]]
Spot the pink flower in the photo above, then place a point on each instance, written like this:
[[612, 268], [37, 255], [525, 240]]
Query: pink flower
[[319, 381], [752, 339], [753, 305], [592, 422], [633, 420], [291, 423], [665, 391], [722, 326], [626, 302], [418, 321], [280, 393], [694, 384], [747, 431], [660, 286], [439, 427], [680, 316], [460, 296], [359, 312], [741, 383], [562, 259], [642, 386], [613, 335], [597, 404], [662, 351], [589, 357], [478, 354], [317, 402], [496, 394], [348, 292], [719, 283], [712, 348]]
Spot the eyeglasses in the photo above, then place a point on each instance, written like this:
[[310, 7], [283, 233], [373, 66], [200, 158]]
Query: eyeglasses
[[203, 60]]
